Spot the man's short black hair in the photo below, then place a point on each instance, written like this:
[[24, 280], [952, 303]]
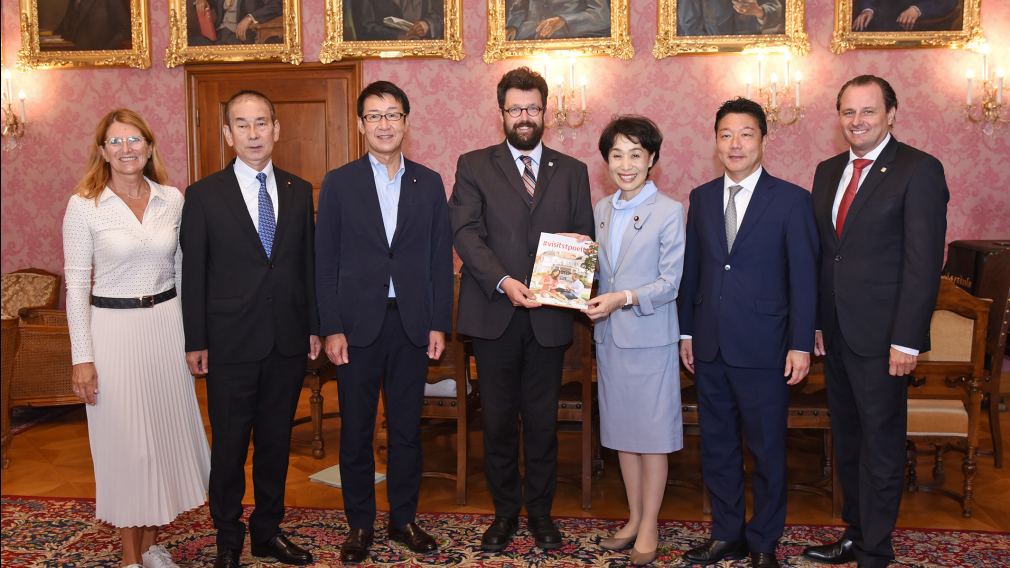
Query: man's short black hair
[[379, 89], [524, 79], [890, 97], [248, 93], [741, 105], [638, 129]]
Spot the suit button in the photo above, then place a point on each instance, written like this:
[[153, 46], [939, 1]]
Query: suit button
[[725, 267], [531, 255], [390, 255], [386, 285], [838, 258], [271, 266]]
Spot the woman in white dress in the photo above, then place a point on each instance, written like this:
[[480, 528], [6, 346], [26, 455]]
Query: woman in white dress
[[121, 262], [641, 236]]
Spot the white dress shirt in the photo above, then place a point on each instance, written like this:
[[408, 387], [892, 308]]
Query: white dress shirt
[[250, 187], [743, 196], [388, 191], [847, 174]]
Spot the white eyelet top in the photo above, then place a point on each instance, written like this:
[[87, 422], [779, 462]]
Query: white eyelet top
[[127, 258]]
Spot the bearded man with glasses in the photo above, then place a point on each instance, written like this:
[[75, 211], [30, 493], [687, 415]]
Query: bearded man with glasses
[[504, 197]]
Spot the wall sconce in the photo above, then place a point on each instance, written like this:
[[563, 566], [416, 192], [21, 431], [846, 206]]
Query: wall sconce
[[988, 109], [13, 124], [570, 111], [780, 100]]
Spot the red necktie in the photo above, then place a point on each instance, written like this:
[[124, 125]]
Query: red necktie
[[858, 165]]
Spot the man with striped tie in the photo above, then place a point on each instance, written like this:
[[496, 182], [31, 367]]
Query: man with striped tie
[[504, 197], [249, 306]]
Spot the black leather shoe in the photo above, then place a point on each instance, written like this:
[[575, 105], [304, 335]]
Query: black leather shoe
[[416, 539], [545, 533], [838, 552], [713, 551], [283, 550], [763, 560], [499, 534], [227, 559], [355, 547]]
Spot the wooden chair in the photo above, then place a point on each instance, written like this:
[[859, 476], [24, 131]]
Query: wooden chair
[[317, 373], [28, 288], [575, 404], [945, 398], [42, 366], [999, 317], [269, 30], [8, 350], [453, 406]]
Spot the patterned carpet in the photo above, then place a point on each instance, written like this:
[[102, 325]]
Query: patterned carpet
[[63, 532]]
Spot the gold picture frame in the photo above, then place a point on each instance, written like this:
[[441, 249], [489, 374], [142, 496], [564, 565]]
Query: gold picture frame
[[284, 28], [792, 37], [342, 35], [499, 46], [970, 30], [71, 36]]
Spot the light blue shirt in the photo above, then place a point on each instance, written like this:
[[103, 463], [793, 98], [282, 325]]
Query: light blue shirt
[[535, 153], [388, 191], [624, 212]]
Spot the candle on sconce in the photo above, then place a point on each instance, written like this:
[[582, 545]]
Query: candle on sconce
[[6, 89], [761, 60], [583, 94], [774, 89], [999, 86], [985, 63], [799, 79], [785, 80], [571, 73], [968, 76], [561, 96], [21, 98], [545, 69], [749, 81]]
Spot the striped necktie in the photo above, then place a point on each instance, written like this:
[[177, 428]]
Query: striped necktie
[[529, 178], [731, 224], [267, 223]]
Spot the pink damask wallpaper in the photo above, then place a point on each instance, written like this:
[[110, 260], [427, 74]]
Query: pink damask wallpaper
[[454, 110]]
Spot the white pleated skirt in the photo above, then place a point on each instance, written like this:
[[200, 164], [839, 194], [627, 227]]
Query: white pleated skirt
[[148, 444]]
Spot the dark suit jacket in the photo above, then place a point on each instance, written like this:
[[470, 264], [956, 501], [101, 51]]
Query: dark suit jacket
[[881, 278], [97, 25], [367, 17], [236, 302], [496, 234], [886, 12], [756, 302], [354, 262]]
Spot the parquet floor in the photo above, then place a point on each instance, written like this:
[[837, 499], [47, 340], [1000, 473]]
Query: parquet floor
[[53, 459]]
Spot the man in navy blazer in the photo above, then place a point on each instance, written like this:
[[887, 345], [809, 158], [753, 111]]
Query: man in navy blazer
[[881, 209], [747, 309], [384, 284]]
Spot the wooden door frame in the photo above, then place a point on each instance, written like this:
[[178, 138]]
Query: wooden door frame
[[198, 73]]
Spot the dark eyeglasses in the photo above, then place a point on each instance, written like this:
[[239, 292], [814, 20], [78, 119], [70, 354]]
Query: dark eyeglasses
[[517, 111], [390, 116]]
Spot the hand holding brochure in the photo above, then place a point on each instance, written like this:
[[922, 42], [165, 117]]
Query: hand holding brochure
[[564, 270]]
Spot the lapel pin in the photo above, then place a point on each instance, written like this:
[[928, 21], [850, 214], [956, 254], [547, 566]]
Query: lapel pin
[[636, 218], [550, 164], [883, 169], [601, 224], [414, 180]]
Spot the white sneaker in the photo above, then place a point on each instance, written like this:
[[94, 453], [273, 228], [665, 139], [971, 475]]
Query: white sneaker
[[134, 566], [158, 557]]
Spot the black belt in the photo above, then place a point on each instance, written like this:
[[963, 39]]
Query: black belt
[[138, 302]]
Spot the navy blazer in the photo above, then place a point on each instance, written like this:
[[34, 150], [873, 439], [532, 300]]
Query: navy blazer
[[354, 262], [754, 303]]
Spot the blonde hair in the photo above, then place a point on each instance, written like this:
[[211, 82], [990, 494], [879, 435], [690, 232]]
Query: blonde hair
[[98, 173]]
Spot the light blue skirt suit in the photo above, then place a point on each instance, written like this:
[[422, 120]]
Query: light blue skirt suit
[[636, 347]]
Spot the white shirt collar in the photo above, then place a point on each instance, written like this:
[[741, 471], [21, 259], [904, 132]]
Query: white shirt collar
[[748, 183], [535, 153], [872, 154], [157, 191], [246, 171]]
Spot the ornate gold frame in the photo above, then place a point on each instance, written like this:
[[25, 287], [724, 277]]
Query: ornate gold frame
[[669, 44], [845, 39], [335, 48], [617, 45], [30, 56], [180, 52]]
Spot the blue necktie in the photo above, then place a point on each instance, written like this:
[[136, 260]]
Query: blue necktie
[[267, 223]]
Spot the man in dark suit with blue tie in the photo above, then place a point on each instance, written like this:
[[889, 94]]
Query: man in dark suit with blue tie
[[881, 210], [747, 308], [248, 305], [384, 282]]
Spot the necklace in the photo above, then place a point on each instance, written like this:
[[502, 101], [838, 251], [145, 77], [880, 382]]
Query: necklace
[[142, 194]]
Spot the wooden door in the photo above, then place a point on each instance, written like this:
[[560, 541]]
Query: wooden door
[[315, 105]]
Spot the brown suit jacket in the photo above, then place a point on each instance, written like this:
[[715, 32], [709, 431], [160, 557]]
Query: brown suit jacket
[[496, 234]]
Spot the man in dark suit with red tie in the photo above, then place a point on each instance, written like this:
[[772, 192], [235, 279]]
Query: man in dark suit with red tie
[[881, 212], [384, 282], [747, 308], [249, 306], [505, 196]]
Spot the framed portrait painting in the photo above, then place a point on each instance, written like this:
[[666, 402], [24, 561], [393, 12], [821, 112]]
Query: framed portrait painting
[[526, 28], [233, 30], [872, 24], [393, 28], [727, 26], [84, 33]]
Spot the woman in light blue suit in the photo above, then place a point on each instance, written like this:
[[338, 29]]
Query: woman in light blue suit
[[641, 236]]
